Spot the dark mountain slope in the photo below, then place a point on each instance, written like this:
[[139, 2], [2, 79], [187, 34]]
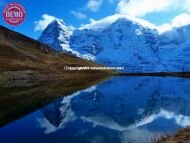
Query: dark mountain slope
[[23, 57]]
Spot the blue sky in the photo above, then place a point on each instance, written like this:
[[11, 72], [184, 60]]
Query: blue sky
[[78, 12]]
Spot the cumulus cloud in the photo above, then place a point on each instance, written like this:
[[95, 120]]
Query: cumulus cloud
[[94, 5], [102, 23], [141, 8], [179, 21], [43, 23], [79, 15]]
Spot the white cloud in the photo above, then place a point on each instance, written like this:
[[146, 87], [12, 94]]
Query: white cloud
[[92, 21], [102, 23], [179, 21], [79, 15], [141, 8], [43, 23], [94, 5]]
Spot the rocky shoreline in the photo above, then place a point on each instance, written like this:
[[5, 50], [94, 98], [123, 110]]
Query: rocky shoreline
[[181, 136]]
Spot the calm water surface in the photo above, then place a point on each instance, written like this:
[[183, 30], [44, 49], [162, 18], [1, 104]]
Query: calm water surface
[[119, 110]]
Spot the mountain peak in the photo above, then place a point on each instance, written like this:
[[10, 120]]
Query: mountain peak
[[59, 25], [121, 40], [105, 22], [58, 22], [55, 34]]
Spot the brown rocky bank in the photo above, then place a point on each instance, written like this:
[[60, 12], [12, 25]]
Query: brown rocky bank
[[181, 136]]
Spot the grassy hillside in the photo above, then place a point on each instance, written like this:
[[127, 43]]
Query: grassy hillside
[[32, 59]]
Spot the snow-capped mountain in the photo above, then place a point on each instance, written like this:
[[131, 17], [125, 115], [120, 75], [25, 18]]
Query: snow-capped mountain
[[120, 40], [175, 49], [57, 35], [122, 43]]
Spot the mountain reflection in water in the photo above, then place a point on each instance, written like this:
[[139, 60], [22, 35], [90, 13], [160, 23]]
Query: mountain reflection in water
[[119, 110]]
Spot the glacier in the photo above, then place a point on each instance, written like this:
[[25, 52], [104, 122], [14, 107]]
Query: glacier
[[124, 41]]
